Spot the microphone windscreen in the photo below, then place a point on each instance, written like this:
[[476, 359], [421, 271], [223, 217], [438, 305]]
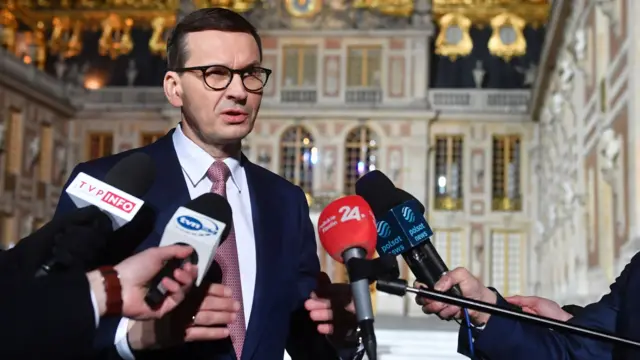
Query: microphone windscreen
[[404, 196], [134, 174], [214, 206], [379, 191], [347, 223]]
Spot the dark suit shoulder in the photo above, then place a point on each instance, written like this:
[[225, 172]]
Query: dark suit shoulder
[[100, 166], [279, 184]]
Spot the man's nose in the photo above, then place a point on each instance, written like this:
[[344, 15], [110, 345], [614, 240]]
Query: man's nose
[[236, 89]]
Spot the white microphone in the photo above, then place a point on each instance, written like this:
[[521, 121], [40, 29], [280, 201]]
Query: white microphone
[[203, 223], [118, 195]]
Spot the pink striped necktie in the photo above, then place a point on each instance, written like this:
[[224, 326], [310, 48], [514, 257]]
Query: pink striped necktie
[[227, 258]]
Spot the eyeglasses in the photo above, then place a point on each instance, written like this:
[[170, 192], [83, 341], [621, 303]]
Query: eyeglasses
[[219, 77]]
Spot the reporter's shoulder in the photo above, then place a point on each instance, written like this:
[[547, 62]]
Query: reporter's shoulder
[[99, 167]]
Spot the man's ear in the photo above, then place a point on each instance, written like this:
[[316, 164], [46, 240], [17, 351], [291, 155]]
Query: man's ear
[[173, 88]]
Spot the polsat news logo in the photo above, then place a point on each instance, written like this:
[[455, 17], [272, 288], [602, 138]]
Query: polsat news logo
[[107, 197]]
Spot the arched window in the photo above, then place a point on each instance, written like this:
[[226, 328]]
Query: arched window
[[298, 157], [361, 156]]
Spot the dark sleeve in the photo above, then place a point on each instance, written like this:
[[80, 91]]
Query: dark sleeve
[[305, 342], [50, 317], [504, 338], [105, 336]]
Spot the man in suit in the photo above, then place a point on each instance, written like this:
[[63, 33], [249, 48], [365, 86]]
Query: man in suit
[[35, 309], [498, 338], [269, 262]]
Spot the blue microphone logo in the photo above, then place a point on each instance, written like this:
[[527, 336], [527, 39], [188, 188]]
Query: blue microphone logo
[[189, 223], [383, 229], [408, 214], [196, 227]]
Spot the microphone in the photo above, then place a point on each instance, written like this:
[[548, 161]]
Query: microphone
[[402, 230], [106, 206], [347, 231], [118, 196], [400, 288], [203, 223]]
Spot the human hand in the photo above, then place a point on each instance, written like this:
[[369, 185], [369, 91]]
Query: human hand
[[203, 316], [136, 271], [540, 306], [331, 306], [471, 288]]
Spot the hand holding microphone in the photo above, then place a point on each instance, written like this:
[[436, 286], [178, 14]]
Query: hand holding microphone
[[134, 273]]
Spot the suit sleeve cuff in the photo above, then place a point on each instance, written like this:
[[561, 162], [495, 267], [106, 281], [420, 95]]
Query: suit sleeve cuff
[[96, 311], [121, 342]]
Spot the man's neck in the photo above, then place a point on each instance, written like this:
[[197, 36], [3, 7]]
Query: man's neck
[[217, 151]]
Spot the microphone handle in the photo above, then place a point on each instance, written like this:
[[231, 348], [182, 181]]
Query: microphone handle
[[419, 258], [157, 292]]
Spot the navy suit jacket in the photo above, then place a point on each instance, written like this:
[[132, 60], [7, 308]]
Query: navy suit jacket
[[287, 262], [617, 312]]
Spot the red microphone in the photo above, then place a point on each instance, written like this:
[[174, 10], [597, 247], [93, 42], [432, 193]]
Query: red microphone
[[347, 230]]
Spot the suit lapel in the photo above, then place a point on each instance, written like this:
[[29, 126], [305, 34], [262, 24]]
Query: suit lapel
[[267, 233], [169, 190]]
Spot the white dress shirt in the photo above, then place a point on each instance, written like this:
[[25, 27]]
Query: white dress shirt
[[195, 162]]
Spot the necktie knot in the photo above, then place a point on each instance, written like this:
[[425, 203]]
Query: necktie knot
[[218, 172]]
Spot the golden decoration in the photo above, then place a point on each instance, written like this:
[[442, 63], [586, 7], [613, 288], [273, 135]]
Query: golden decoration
[[303, 8], [464, 45], [239, 6], [65, 39], [157, 42], [497, 46], [398, 8], [9, 25], [533, 12], [116, 37], [40, 43]]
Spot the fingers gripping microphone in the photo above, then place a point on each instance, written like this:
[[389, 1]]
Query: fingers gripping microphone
[[402, 229], [202, 224], [347, 230], [103, 207]]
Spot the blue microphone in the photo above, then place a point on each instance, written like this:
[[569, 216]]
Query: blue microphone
[[402, 228]]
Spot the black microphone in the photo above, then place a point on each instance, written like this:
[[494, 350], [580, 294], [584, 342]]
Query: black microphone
[[110, 205], [402, 229], [203, 223]]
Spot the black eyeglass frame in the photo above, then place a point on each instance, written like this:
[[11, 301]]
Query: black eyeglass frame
[[243, 73]]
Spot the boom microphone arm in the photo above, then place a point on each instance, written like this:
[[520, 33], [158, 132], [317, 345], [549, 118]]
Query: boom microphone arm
[[400, 288]]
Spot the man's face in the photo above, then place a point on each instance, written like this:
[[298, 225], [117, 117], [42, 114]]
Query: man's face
[[217, 116]]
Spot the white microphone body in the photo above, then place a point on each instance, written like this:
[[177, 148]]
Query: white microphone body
[[121, 207], [202, 233]]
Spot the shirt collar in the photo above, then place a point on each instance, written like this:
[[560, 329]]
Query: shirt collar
[[196, 162]]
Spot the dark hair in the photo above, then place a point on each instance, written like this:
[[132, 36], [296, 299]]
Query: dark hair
[[202, 20]]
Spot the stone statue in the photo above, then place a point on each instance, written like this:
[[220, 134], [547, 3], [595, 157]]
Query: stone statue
[[132, 72], [61, 160], [34, 151], [478, 170], [580, 45], [82, 74], [73, 73], [421, 17], [566, 75], [61, 67], [529, 74], [478, 74], [395, 164], [329, 162], [609, 151], [557, 104]]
